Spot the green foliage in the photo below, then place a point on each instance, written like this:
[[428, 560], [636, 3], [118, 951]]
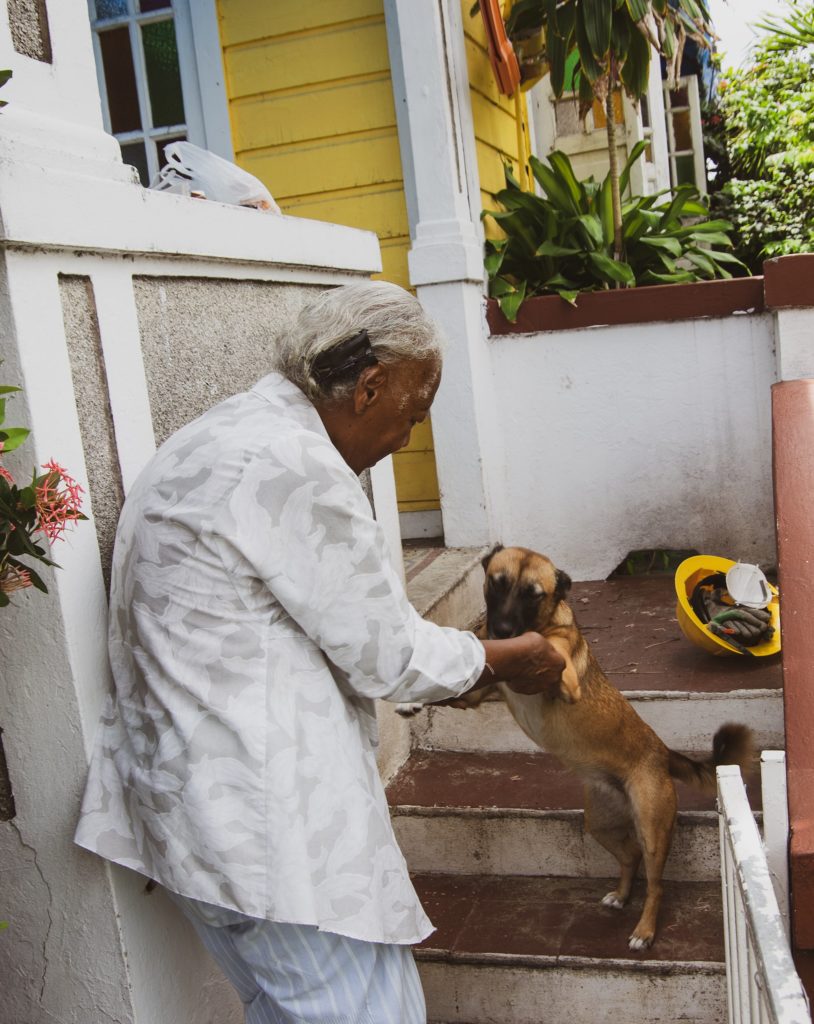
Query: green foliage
[[4, 77], [768, 113], [38, 510], [611, 38], [562, 242]]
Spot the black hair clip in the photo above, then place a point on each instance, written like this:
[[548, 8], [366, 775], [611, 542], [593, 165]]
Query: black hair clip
[[346, 359]]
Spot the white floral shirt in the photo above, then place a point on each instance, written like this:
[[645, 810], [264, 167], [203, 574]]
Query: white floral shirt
[[254, 618]]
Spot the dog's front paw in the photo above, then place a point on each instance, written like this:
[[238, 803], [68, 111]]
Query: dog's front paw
[[407, 710], [640, 941], [613, 899]]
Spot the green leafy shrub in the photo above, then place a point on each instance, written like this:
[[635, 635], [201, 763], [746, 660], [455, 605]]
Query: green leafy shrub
[[768, 113], [562, 242]]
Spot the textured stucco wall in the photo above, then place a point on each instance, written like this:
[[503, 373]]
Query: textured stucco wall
[[28, 21], [204, 339], [93, 410]]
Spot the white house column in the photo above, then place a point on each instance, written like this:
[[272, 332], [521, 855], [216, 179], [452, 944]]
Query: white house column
[[430, 84]]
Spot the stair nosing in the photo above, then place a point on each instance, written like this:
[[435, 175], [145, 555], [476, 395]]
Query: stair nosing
[[688, 817], [430, 954]]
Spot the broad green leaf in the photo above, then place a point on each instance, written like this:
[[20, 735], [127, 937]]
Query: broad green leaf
[[710, 238], [5, 76], [557, 281], [620, 33], [593, 228], [13, 437], [635, 153], [706, 227], [635, 71], [680, 277], [499, 286], [616, 270], [6, 389], [597, 16], [638, 8], [569, 296], [727, 257], [672, 245], [556, 51], [561, 165], [669, 45], [701, 260], [511, 303], [671, 216], [554, 188], [606, 211], [552, 249], [493, 260], [592, 68]]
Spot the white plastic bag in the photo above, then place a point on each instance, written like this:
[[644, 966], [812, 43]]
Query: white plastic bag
[[190, 169]]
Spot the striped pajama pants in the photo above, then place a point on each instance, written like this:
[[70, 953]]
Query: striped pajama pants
[[296, 974]]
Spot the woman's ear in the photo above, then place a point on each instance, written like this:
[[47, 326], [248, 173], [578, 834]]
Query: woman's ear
[[369, 387]]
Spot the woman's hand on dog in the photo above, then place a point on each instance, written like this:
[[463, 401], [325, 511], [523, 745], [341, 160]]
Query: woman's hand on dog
[[527, 663]]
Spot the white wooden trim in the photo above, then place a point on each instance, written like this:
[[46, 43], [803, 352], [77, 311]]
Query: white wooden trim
[[776, 826], [124, 367], [200, 37], [108, 216]]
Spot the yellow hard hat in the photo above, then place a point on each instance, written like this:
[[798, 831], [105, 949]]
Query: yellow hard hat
[[688, 575]]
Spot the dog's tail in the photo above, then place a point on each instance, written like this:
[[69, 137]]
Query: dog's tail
[[732, 744]]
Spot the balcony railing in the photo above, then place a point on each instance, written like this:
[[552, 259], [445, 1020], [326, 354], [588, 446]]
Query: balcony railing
[[763, 986]]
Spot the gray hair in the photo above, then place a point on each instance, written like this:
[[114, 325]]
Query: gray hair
[[397, 326]]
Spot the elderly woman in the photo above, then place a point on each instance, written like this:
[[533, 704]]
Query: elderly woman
[[254, 618]]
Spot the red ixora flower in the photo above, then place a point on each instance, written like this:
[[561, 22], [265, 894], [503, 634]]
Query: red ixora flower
[[4, 473], [58, 501]]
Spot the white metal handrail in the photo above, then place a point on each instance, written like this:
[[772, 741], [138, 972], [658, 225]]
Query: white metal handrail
[[763, 986]]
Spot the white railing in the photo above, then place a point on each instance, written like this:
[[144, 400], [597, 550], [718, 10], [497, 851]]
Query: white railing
[[763, 986]]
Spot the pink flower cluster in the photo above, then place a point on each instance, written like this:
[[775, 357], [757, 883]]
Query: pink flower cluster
[[58, 501]]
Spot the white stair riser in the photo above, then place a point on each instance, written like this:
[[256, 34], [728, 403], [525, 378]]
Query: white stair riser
[[506, 845], [567, 995], [683, 722]]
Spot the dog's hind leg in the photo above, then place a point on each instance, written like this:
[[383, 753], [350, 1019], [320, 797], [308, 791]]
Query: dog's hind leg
[[653, 800], [607, 819]]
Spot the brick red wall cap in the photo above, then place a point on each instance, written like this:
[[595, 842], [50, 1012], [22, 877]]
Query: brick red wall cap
[[789, 281]]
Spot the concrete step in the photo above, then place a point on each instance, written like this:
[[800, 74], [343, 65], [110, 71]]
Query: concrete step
[[544, 949], [445, 585], [684, 721], [521, 814]]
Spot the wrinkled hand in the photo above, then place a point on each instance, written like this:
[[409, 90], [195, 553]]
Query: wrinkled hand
[[540, 667]]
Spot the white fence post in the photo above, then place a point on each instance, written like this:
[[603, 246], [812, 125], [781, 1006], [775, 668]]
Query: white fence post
[[776, 826], [763, 986]]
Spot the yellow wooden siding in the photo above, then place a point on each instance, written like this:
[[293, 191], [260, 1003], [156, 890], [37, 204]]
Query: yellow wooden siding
[[313, 117], [494, 116]]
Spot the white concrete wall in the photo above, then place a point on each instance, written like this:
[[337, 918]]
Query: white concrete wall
[[640, 436]]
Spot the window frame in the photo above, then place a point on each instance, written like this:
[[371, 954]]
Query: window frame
[[693, 108], [200, 64]]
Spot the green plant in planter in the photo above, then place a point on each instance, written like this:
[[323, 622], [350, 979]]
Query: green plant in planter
[[614, 42], [30, 515], [563, 241]]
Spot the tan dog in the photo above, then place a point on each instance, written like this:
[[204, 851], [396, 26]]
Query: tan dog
[[630, 799]]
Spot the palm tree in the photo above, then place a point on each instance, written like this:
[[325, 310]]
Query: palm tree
[[613, 41], [794, 31]]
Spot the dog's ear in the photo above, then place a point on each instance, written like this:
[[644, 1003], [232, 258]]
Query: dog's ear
[[488, 558], [563, 584]]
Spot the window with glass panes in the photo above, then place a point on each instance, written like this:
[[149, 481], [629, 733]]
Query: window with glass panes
[[140, 78], [685, 142]]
